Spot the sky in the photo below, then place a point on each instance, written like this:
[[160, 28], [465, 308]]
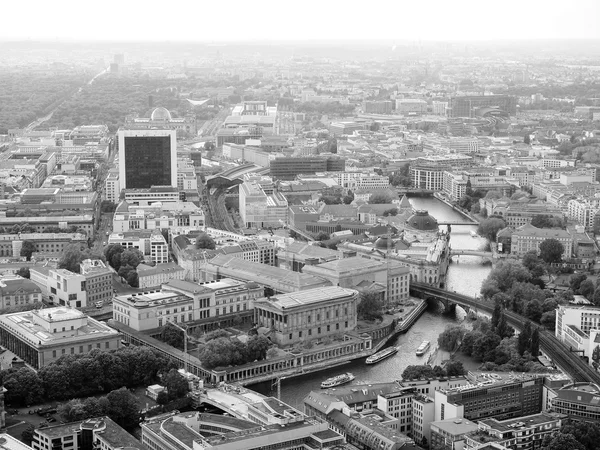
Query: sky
[[284, 20]]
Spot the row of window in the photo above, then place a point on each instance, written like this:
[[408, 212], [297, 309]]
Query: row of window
[[300, 333], [89, 349]]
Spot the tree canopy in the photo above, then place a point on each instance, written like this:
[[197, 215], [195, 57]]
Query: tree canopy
[[488, 228], [551, 250], [205, 241]]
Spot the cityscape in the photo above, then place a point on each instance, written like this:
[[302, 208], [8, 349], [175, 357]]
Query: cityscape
[[300, 228]]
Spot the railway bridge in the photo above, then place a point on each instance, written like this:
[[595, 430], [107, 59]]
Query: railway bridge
[[571, 363]]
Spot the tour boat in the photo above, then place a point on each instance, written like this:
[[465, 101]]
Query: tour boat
[[473, 233], [337, 380], [423, 348], [381, 355]]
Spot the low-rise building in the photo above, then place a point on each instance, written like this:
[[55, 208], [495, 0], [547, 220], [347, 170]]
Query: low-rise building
[[101, 433], [524, 433], [152, 244], [199, 306], [40, 337], [18, 291], [150, 276], [307, 315], [450, 434], [528, 238], [356, 272]]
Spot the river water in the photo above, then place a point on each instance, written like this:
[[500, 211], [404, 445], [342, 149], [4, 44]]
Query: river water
[[464, 276]]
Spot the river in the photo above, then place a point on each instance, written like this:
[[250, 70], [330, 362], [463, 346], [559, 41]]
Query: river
[[464, 276]]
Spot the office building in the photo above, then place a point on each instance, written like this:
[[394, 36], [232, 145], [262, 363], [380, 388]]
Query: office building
[[579, 401], [411, 106], [307, 315], [519, 395], [288, 168], [98, 433], [476, 105], [40, 337], [147, 158], [427, 172], [378, 107], [261, 204], [98, 281]]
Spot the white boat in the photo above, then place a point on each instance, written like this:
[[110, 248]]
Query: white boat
[[337, 380], [473, 233], [381, 355], [423, 348]]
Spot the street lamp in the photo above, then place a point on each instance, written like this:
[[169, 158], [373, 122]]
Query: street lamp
[[185, 339]]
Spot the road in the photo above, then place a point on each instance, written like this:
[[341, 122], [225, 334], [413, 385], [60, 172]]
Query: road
[[210, 127], [37, 122]]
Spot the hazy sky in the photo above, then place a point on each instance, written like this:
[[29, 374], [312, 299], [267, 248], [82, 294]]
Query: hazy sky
[[235, 20]]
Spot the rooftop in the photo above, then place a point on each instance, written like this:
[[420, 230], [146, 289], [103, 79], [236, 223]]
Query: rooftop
[[455, 427], [307, 297]]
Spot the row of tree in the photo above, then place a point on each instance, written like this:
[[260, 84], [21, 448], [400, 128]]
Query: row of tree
[[223, 351], [453, 368], [96, 372], [120, 404]]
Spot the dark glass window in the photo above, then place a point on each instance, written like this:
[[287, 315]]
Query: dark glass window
[[147, 161]]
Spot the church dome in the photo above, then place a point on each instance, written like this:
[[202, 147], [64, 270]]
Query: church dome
[[161, 113], [421, 220]]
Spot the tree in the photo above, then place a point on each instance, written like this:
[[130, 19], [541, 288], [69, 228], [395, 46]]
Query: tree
[[380, 199], [176, 385], [451, 337], [523, 341], [27, 249], [112, 253], [586, 288], [469, 340], [548, 320], [24, 272], [455, 368], [322, 236], [106, 206], [533, 310], [527, 139], [503, 329], [71, 258], [534, 344], [497, 313], [488, 228], [596, 297], [205, 241], [506, 273], [209, 146], [370, 306], [416, 372], [131, 257], [162, 398], [546, 221], [133, 279], [586, 433], [551, 250], [27, 435], [123, 408], [172, 335], [560, 441], [23, 386], [390, 212], [576, 280]]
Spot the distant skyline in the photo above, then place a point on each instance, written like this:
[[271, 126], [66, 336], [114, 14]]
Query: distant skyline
[[279, 20]]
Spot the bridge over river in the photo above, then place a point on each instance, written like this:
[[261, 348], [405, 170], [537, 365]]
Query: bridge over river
[[571, 363]]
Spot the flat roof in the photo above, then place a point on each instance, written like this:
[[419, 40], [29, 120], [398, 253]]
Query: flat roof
[[308, 297], [455, 426]]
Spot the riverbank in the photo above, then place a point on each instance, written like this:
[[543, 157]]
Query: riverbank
[[460, 211]]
